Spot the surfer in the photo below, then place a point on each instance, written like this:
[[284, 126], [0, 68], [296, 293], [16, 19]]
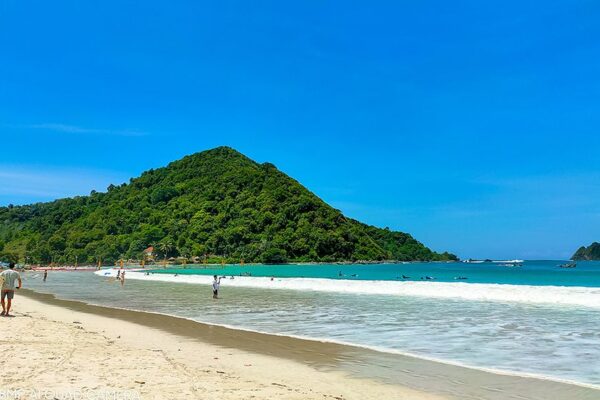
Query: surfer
[[7, 280]]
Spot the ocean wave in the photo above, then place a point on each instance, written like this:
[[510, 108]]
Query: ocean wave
[[322, 339], [555, 295]]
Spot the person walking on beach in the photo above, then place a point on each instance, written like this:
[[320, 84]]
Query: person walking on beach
[[8, 287], [216, 284]]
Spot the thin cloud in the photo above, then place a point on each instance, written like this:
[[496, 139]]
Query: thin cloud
[[43, 183], [74, 129]]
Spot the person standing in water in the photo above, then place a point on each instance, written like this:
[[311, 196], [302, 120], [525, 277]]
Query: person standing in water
[[45, 275], [8, 287], [122, 278], [215, 286]]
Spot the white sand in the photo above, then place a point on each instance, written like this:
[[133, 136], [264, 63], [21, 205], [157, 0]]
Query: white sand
[[52, 352]]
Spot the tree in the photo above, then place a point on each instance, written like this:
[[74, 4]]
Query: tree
[[165, 247], [274, 256]]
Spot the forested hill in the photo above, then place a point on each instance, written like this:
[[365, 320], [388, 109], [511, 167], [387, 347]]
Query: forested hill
[[588, 253], [218, 203]]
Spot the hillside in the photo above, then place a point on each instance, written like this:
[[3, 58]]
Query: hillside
[[217, 203], [588, 253]]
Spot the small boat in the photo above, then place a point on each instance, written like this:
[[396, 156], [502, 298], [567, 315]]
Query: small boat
[[511, 264], [515, 261], [568, 265]]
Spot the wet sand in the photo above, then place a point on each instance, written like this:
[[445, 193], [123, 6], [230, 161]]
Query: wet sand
[[351, 371]]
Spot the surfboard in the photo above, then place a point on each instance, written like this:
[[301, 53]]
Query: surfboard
[[1, 281]]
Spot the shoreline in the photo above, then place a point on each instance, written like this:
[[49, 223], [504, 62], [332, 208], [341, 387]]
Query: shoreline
[[302, 263], [388, 369], [62, 349], [170, 265]]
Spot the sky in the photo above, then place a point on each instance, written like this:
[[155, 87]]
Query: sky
[[472, 125]]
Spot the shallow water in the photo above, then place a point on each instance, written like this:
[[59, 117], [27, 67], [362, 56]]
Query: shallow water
[[511, 332]]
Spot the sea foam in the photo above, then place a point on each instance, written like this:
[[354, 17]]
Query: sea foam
[[555, 295]]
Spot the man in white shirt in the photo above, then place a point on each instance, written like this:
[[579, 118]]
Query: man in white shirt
[[8, 287], [216, 285]]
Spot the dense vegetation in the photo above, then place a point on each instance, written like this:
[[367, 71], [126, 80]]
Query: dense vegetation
[[588, 253], [217, 203]]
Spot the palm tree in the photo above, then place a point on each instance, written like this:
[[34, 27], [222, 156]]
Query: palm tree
[[165, 247]]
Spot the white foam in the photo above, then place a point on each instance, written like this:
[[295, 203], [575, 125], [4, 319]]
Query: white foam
[[557, 295]]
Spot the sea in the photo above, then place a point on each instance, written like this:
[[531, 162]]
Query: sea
[[536, 319]]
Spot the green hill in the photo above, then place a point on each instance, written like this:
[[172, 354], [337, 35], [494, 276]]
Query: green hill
[[588, 253], [217, 203]]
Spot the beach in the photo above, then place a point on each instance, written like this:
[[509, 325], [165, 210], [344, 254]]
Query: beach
[[57, 350], [71, 349], [526, 326], [300, 200]]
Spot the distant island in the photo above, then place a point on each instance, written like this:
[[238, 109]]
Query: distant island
[[592, 252], [213, 206]]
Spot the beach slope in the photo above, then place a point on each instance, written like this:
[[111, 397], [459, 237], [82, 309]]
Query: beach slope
[[70, 354]]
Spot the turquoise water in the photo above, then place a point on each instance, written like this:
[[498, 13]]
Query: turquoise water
[[537, 319], [537, 273]]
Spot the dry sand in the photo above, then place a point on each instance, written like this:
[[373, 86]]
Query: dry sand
[[54, 352]]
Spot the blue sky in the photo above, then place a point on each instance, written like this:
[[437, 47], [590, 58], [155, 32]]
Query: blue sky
[[472, 125]]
